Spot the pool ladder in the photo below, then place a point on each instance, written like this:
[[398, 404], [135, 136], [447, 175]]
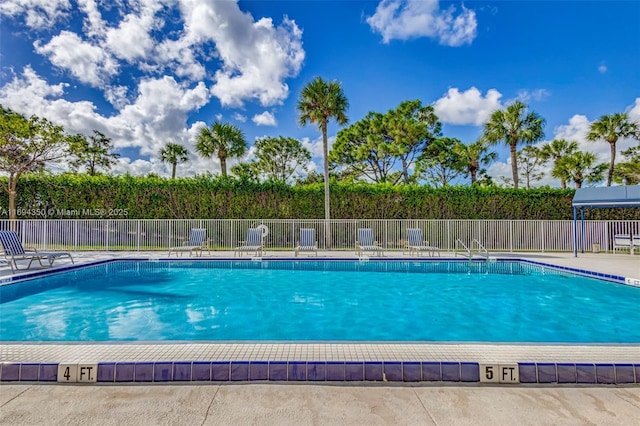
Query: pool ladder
[[479, 249]]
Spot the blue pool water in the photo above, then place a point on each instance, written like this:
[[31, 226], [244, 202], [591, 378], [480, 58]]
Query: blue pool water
[[329, 301]]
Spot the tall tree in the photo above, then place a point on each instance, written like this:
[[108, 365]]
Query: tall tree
[[93, 153], [280, 159], [25, 146], [364, 150], [628, 172], [557, 149], [439, 162], [610, 128], [473, 157], [224, 140], [514, 125], [580, 167], [411, 127], [319, 102], [174, 153], [530, 161]]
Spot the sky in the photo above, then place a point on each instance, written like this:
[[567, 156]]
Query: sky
[[149, 72]]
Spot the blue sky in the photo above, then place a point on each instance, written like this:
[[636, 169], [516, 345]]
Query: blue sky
[[146, 72]]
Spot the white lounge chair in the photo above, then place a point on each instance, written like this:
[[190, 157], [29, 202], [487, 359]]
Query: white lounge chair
[[366, 242], [416, 243], [622, 242], [307, 241], [253, 243], [635, 242], [5, 262], [14, 251], [194, 245]]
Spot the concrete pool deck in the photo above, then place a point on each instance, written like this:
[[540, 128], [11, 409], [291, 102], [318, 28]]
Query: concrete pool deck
[[296, 405]]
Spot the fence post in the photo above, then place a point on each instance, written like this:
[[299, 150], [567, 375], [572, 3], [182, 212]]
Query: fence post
[[511, 237], [138, 233], [46, 234]]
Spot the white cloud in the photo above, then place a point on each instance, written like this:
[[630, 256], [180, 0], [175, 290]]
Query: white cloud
[[602, 68], [256, 55], [248, 59], [536, 95], [406, 19], [139, 167], [315, 147], [239, 117], [116, 95], [88, 63], [179, 57], [634, 111], [576, 129], [21, 91], [131, 39], [264, 119], [499, 170], [468, 107], [38, 14], [158, 113]]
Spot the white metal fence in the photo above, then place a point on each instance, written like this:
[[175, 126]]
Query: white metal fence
[[226, 234]]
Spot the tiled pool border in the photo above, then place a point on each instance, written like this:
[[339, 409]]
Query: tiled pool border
[[221, 371], [327, 371]]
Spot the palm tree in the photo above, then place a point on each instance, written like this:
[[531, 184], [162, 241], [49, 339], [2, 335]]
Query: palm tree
[[174, 153], [580, 166], [628, 172], [513, 125], [319, 102], [557, 149], [611, 128], [223, 140], [474, 156]]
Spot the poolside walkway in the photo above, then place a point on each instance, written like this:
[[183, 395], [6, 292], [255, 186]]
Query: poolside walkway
[[262, 404]]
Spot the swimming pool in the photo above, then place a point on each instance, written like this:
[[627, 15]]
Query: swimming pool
[[319, 301]]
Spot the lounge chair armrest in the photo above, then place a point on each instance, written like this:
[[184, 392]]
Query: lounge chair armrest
[[31, 249]]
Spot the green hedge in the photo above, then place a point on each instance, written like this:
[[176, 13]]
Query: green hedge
[[80, 196]]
